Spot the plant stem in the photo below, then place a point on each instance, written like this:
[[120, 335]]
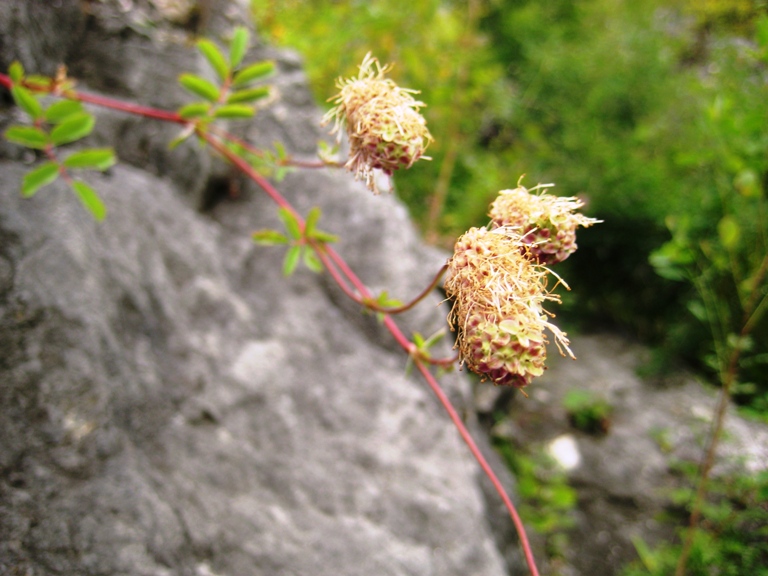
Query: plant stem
[[405, 307], [709, 460], [728, 379]]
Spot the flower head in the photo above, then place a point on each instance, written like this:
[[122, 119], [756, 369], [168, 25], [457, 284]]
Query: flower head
[[382, 120], [498, 295], [546, 223]]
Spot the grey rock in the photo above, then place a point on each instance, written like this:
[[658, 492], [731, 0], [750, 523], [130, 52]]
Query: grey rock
[[170, 404]]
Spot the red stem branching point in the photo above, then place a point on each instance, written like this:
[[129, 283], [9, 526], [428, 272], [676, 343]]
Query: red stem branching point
[[339, 270]]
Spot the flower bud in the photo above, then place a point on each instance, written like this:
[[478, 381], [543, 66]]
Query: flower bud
[[385, 129], [546, 223], [498, 293]]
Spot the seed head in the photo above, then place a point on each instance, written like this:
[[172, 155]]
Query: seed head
[[382, 120], [546, 223], [497, 311]]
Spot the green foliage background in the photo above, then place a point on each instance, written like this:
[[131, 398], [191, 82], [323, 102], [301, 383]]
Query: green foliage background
[[653, 111]]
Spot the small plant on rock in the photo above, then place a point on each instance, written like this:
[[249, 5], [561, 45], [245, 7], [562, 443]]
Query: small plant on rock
[[497, 277]]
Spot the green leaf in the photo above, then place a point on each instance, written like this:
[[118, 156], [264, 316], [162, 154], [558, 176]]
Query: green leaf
[[234, 111], [252, 73], [238, 46], [27, 102], [90, 199], [729, 231], [39, 177], [185, 133], [312, 261], [324, 237], [747, 183], [37, 81], [435, 338], [269, 237], [200, 86], [761, 31], [280, 149], [291, 260], [280, 173], [93, 158], [696, 307], [385, 301], [16, 72], [61, 110], [215, 58], [29, 136], [290, 222], [311, 222], [248, 95], [73, 128], [194, 110]]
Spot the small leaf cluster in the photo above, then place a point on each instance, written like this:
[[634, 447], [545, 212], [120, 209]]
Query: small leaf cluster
[[302, 240], [62, 122], [382, 301], [234, 95], [268, 163], [421, 345]]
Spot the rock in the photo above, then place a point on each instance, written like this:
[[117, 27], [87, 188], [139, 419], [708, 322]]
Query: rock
[[170, 404], [622, 477]]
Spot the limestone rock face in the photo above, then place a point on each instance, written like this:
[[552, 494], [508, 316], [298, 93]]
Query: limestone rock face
[[170, 404]]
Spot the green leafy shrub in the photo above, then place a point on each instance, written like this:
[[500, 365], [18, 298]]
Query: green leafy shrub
[[732, 539]]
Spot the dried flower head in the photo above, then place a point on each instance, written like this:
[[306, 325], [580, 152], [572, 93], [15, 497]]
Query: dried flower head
[[546, 223], [498, 296], [382, 120]]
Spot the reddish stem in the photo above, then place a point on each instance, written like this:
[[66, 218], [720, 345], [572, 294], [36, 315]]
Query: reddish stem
[[145, 111]]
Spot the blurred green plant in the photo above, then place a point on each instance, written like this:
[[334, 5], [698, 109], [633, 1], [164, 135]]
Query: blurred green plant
[[588, 411], [647, 109], [732, 539], [720, 247], [548, 501], [54, 125]]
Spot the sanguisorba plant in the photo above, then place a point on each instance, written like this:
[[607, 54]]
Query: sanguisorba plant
[[497, 276]]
